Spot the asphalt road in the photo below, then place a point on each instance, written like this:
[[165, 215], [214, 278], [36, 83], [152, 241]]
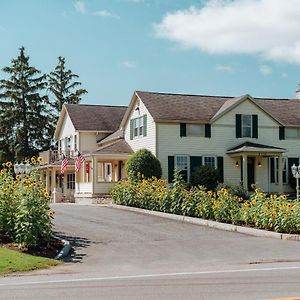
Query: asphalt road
[[125, 255]]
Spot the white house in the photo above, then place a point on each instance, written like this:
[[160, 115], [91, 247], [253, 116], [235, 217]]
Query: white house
[[79, 128], [249, 140]]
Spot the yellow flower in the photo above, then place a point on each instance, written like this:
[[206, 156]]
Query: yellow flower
[[39, 159], [46, 194], [284, 197], [8, 164], [33, 160]]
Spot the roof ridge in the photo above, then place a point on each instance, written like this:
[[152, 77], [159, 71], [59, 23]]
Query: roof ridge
[[99, 105]]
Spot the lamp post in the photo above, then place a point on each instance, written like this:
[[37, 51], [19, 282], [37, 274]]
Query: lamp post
[[296, 174], [22, 170]]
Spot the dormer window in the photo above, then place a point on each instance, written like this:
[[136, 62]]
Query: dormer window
[[138, 127]]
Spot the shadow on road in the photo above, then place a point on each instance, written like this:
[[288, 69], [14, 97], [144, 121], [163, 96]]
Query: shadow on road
[[77, 243]]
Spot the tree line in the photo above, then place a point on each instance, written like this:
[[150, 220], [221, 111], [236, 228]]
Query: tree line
[[30, 104]]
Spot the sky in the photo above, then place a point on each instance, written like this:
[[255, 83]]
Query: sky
[[208, 47]]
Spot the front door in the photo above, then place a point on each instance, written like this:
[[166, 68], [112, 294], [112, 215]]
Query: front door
[[251, 172]]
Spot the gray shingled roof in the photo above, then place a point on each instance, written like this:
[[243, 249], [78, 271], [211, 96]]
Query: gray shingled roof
[[118, 147], [253, 147], [95, 117], [200, 108]]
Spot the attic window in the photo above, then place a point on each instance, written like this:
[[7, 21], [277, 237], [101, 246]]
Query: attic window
[[246, 125]]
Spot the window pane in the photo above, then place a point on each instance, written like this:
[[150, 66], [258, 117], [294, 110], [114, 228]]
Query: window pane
[[181, 163], [209, 161], [195, 129], [246, 120], [246, 131], [291, 133]]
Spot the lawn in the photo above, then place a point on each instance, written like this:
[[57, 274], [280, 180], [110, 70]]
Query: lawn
[[13, 261]]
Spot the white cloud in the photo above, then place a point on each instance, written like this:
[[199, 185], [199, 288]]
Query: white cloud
[[268, 28], [106, 13], [224, 69], [265, 70], [80, 7], [128, 64]]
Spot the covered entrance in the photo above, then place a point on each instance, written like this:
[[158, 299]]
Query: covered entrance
[[253, 171]]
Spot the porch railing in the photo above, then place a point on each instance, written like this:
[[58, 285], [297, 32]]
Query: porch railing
[[51, 156]]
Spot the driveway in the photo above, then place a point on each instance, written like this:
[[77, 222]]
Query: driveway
[[126, 255]]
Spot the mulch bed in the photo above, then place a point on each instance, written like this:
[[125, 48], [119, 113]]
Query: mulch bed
[[50, 250]]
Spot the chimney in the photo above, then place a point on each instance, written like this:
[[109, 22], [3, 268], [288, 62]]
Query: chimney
[[298, 93]]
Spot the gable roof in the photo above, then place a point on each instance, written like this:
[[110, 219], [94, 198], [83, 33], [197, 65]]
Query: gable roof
[[254, 147], [202, 108], [101, 118]]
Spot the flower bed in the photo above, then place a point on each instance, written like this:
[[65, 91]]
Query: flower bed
[[273, 212], [25, 215]]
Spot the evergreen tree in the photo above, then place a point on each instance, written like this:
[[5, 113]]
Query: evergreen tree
[[24, 112], [63, 87]]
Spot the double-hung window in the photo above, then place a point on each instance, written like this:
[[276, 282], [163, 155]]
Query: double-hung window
[[274, 167], [182, 165], [71, 181], [138, 127], [209, 161], [246, 125]]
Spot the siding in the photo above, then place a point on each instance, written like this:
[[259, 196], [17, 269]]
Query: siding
[[223, 138], [149, 141]]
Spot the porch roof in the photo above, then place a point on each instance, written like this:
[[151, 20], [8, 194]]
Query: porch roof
[[118, 147], [255, 148]]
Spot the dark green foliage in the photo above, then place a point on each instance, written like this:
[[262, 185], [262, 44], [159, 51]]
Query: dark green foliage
[[24, 110], [234, 190], [205, 176], [143, 164], [63, 87]]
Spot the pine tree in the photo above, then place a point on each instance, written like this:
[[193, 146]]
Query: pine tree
[[63, 87], [24, 111]]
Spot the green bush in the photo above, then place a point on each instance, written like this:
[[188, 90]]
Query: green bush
[[143, 164], [234, 190], [205, 176]]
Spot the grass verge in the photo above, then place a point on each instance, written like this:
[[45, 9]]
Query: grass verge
[[13, 261]]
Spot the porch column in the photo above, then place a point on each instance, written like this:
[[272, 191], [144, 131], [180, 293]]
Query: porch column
[[245, 172], [47, 173], [53, 179], [93, 170], [280, 178]]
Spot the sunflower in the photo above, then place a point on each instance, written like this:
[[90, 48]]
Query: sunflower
[[33, 160], [39, 159], [9, 164], [46, 194]]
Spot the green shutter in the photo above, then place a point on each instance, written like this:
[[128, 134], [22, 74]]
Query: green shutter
[[220, 166], [272, 169], [281, 133], [207, 130], [238, 126], [254, 126], [131, 129], [291, 161], [195, 161], [171, 166], [145, 125], [182, 129]]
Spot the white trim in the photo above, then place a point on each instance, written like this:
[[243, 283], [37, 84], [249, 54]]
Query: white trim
[[214, 156], [188, 164]]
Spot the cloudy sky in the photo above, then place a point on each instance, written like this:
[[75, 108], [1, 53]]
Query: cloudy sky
[[214, 47]]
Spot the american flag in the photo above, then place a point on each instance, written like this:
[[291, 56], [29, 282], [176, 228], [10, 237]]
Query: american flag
[[79, 161], [64, 164]]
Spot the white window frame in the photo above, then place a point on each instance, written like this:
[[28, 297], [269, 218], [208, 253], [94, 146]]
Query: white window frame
[[71, 181], [138, 127], [243, 126], [187, 162], [209, 156]]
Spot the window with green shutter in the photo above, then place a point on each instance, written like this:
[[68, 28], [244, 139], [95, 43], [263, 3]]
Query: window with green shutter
[[138, 127], [182, 129], [281, 133], [171, 166], [238, 125]]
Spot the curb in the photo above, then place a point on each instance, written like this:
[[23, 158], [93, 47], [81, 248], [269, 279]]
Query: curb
[[65, 250], [212, 224]]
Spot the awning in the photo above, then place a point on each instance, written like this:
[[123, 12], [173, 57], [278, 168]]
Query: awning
[[256, 149]]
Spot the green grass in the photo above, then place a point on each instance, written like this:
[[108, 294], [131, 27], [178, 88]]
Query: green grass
[[13, 261]]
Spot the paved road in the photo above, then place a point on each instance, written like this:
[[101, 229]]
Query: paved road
[[125, 255]]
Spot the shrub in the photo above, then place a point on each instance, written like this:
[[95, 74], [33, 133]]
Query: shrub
[[143, 164], [205, 176], [234, 190]]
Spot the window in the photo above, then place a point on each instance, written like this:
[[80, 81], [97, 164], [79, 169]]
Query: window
[[195, 130], [274, 169], [138, 127], [182, 165], [75, 143], [71, 181], [292, 133], [209, 161], [246, 125]]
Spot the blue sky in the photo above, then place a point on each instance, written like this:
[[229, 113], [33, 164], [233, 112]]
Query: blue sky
[[214, 47]]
